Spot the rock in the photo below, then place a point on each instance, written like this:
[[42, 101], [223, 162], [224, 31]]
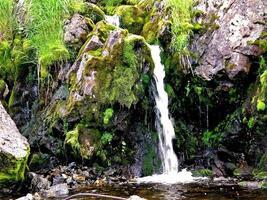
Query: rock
[[93, 44], [114, 38], [76, 30], [38, 182], [14, 150], [226, 45], [27, 197], [58, 180], [135, 197], [132, 18], [36, 196], [56, 191], [93, 12], [250, 184]]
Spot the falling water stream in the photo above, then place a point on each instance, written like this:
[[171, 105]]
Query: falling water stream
[[165, 130]]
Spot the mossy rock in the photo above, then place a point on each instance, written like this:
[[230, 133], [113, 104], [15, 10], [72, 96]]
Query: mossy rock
[[131, 17], [84, 142], [12, 169], [14, 151], [203, 173], [93, 12]]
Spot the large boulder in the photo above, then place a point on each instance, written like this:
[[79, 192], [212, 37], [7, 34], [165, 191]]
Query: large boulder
[[231, 27], [14, 150]]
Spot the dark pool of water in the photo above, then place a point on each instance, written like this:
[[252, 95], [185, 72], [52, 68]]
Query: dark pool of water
[[203, 191], [196, 191]]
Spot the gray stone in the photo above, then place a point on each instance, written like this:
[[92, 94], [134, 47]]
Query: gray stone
[[232, 25], [27, 197], [93, 44], [76, 30], [135, 197], [56, 191], [14, 149], [38, 182]]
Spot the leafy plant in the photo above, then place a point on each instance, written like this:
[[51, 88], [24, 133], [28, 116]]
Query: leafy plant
[[72, 139], [211, 139], [251, 122], [108, 115], [106, 138]]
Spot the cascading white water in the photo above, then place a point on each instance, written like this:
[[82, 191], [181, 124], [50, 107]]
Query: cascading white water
[[164, 124], [165, 130], [115, 20]]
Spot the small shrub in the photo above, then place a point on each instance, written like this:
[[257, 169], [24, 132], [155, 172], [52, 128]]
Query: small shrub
[[108, 115]]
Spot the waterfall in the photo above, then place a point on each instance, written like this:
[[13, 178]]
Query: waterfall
[[115, 20], [165, 130], [164, 124]]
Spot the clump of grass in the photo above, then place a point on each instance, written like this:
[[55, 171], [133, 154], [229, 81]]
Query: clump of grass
[[45, 29], [181, 22], [7, 19]]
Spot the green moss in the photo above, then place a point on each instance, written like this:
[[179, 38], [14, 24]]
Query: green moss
[[2, 86], [261, 105], [169, 90], [84, 142], [203, 173], [132, 18], [93, 12], [237, 172], [38, 160], [12, 169]]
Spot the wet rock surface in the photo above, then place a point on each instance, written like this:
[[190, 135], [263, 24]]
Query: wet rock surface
[[227, 46]]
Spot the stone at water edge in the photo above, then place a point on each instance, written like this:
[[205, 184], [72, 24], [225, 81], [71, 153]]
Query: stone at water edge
[[135, 197], [14, 150]]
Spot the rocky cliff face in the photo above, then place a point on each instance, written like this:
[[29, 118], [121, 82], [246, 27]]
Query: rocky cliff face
[[228, 44], [224, 98]]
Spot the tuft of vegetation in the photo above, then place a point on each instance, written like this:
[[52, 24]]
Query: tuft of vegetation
[[45, 30], [181, 22], [7, 20], [108, 115], [72, 139]]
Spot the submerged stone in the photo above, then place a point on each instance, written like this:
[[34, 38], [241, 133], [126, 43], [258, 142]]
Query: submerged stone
[[14, 150]]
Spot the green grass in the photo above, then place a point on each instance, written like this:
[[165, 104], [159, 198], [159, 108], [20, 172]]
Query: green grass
[[7, 20], [181, 22], [45, 29]]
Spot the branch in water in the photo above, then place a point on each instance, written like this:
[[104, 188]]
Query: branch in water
[[94, 195]]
